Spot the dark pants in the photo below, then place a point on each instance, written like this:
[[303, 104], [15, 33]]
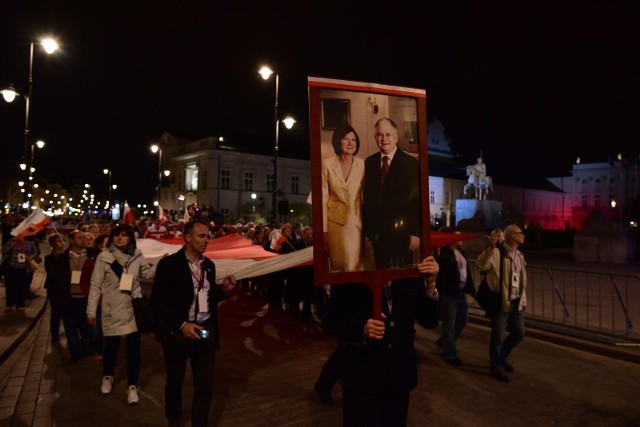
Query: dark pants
[[133, 356], [332, 368], [202, 355], [54, 320], [76, 327], [370, 409], [275, 289], [500, 347], [96, 335], [17, 284]]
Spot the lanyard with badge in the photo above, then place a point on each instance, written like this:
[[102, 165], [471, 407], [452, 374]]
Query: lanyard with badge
[[126, 280], [76, 270], [202, 303]]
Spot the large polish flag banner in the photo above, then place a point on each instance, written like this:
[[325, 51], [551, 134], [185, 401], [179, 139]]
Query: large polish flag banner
[[237, 255]]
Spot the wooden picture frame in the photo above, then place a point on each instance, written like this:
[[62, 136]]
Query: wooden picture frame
[[407, 107]]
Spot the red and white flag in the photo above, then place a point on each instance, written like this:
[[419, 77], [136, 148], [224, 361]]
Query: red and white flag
[[161, 215], [128, 217], [32, 224]]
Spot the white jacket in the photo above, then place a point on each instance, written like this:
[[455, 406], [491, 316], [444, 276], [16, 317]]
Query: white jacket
[[117, 310]]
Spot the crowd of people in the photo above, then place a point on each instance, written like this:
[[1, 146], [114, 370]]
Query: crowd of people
[[93, 278]]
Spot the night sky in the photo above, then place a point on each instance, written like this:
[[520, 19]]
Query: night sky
[[531, 84]]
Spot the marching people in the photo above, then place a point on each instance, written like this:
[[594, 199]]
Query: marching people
[[115, 277], [454, 282], [58, 246], [66, 293], [184, 300], [380, 363], [511, 280]]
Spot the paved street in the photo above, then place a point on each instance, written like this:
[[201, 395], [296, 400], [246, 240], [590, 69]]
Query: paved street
[[268, 364]]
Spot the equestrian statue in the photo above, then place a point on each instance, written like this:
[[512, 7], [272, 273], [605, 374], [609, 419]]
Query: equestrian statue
[[479, 180]]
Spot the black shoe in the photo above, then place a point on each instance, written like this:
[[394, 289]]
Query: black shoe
[[324, 395], [455, 362], [500, 375], [507, 366]]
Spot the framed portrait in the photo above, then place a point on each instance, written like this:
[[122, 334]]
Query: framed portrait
[[364, 222], [334, 112]]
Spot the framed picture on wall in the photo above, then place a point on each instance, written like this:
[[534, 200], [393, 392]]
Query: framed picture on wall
[[335, 112]]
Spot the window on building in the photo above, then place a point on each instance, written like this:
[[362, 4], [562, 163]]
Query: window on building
[[447, 197], [432, 196], [271, 182], [191, 178], [597, 202], [585, 201], [248, 181], [225, 179], [295, 184]]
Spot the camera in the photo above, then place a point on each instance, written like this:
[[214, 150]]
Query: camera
[[203, 333]]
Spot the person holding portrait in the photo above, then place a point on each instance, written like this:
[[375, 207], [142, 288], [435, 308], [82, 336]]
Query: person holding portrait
[[342, 178], [391, 200]]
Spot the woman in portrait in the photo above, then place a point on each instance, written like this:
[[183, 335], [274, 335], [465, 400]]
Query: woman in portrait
[[342, 177]]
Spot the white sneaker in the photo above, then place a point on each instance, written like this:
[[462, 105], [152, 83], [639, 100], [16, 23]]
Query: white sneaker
[[107, 385], [132, 395]]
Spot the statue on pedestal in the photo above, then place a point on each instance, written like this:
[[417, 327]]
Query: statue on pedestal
[[479, 180]]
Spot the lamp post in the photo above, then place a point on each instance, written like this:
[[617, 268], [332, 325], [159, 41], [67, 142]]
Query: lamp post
[[10, 93], [266, 72], [155, 148], [108, 172]]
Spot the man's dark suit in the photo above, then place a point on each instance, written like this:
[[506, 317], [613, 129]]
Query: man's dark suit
[[392, 210], [379, 374], [171, 299]]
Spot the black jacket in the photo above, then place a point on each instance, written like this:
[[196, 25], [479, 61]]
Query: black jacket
[[448, 279], [172, 296], [374, 365]]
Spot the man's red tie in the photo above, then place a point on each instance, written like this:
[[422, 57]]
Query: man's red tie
[[385, 169]]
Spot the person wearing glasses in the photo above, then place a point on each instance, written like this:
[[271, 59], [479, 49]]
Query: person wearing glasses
[[511, 280]]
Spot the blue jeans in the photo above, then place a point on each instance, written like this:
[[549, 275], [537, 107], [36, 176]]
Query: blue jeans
[[454, 313], [500, 347], [74, 319]]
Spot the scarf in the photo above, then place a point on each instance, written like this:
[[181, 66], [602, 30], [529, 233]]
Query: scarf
[[122, 257]]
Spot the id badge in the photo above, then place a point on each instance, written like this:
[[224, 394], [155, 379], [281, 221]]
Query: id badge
[[22, 257], [203, 301], [126, 282], [75, 277]]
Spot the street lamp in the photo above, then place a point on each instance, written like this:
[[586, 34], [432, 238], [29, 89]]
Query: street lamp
[[266, 72], [108, 172], [155, 148], [10, 93]]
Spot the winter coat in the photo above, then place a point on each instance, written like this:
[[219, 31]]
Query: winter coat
[[117, 310]]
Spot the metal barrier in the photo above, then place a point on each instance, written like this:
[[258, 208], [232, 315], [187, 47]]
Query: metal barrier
[[600, 302]]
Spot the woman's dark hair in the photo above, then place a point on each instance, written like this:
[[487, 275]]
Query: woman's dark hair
[[120, 228], [340, 132], [99, 239]]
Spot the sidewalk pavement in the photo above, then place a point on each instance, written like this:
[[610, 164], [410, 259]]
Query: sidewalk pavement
[[268, 363]]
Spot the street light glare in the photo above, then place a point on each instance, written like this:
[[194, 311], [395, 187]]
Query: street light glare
[[50, 45], [9, 93], [289, 122], [154, 148], [265, 72], [40, 144]]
